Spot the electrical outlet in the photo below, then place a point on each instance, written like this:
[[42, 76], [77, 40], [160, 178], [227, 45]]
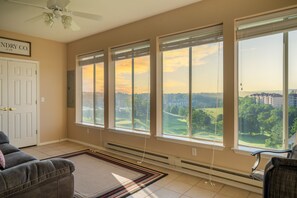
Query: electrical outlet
[[194, 151]]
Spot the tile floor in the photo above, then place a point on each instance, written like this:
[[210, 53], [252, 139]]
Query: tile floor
[[176, 184]]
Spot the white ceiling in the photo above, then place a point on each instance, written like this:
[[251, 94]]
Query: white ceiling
[[114, 13]]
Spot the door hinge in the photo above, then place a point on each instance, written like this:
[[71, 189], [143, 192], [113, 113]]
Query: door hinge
[[35, 101], [35, 72], [36, 131]]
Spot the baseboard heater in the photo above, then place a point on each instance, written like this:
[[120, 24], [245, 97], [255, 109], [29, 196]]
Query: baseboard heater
[[137, 153], [225, 176], [234, 178]]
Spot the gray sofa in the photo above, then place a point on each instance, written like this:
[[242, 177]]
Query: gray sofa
[[26, 177]]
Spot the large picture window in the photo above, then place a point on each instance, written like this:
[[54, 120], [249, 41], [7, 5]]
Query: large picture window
[[91, 69], [192, 84], [132, 87], [267, 86]]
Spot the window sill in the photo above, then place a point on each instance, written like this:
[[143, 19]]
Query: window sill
[[244, 150], [129, 132], [87, 125], [191, 142]]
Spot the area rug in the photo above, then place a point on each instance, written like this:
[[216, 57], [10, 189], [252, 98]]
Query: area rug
[[99, 175]]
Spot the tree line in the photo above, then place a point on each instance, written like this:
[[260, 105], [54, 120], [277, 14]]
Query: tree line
[[264, 119]]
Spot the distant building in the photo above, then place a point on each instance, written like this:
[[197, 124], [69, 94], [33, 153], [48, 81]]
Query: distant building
[[293, 99], [273, 99]]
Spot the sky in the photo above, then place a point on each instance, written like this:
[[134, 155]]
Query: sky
[[123, 76], [260, 68], [88, 77], [207, 65], [261, 63]]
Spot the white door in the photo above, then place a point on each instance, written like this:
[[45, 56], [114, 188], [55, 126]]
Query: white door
[[21, 105], [3, 97]]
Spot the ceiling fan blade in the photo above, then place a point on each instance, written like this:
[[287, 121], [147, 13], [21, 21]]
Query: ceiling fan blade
[[86, 15], [35, 19], [57, 3], [27, 4], [74, 26]]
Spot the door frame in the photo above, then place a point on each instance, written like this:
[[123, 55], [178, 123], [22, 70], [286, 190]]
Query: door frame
[[37, 91]]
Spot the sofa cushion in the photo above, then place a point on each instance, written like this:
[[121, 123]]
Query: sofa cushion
[[3, 138], [2, 160], [31, 175], [8, 148], [16, 158]]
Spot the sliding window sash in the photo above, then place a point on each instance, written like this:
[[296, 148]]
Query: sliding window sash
[[130, 51], [280, 22], [208, 35], [88, 59], [194, 38]]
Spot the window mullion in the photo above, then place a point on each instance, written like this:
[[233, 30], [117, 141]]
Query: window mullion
[[133, 90], [286, 90], [81, 95], [162, 93], [190, 92], [94, 93]]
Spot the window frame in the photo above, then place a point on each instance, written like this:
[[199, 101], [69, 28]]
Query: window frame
[[112, 84], [265, 23], [189, 139], [92, 59]]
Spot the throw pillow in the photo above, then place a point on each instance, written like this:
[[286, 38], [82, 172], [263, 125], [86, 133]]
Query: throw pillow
[[2, 160]]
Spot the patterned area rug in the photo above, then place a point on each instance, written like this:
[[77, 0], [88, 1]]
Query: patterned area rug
[[99, 175]]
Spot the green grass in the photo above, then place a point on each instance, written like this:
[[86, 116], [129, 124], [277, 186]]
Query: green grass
[[174, 125], [214, 112], [252, 140], [125, 123]]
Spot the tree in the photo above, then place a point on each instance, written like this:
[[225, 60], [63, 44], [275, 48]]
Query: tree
[[174, 109], [182, 111], [268, 117], [220, 123], [200, 120], [248, 109], [293, 128], [292, 120], [276, 138]]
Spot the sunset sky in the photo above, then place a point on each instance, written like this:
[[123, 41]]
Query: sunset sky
[[207, 65], [123, 76], [260, 68]]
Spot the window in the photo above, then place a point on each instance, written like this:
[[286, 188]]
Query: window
[[132, 87], [192, 86], [267, 86], [91, 101]]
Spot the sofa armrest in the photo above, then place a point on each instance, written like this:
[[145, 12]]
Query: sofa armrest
[[259, 152], [280, 178], [3, 138], [29, 175], [276, 161]]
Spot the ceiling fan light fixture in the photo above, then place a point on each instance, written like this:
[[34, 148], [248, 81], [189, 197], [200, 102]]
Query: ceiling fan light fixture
[[66, 21], [49, 19], [57, 10]]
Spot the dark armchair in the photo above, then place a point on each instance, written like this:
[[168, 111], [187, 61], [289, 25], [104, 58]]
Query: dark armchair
[[280, 174]]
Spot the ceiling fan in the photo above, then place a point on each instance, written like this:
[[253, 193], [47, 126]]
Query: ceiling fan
[[57, 10]]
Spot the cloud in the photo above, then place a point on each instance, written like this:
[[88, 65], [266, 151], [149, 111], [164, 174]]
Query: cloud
[[173, 86], [141, 65], [176, 59]]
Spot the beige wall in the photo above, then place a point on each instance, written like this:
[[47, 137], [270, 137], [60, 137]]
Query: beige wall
[[201, 14], [52, 67]]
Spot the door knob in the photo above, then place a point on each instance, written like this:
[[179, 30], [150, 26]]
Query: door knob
[[3, 109], [11, 109]]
